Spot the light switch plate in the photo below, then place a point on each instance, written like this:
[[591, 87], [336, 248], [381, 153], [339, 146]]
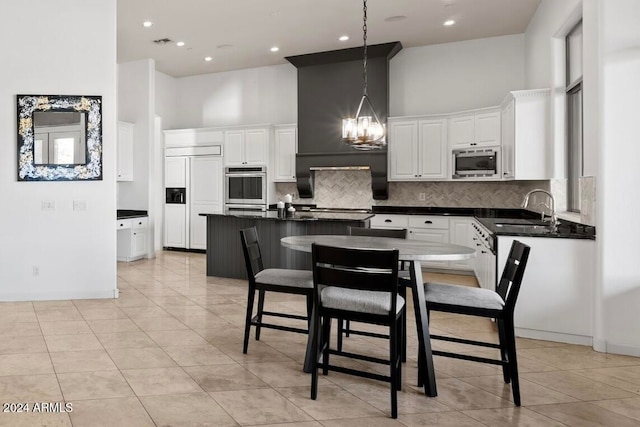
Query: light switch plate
[[79, 205], [48, 205]]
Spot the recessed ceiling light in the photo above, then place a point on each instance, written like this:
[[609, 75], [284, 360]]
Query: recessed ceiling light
[[449, 23], [208, 58], [343, 38], [147, 24], [395, 18], [180, 44], [275, 49]]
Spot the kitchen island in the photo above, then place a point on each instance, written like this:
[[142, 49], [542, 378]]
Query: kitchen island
[[224, 250]]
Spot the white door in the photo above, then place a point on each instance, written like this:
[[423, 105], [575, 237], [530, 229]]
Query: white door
[[403, 151], [256, 147], [487, 129], [461, 132], [507, 123], [206, 196], [284, 153], [175, 226], [433, 149], [234, 147], [138, 243], [175, 172]]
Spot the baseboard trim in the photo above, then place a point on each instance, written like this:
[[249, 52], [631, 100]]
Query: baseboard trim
[[554, 336], [624, 350], [55, 296]]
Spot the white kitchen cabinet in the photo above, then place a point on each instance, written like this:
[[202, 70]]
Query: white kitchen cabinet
[[474, 129], [556, 297], [417, 149], [132, 238], [484, 263], [125, 151], [460, 233], [175, 225], [430, 228], [206, 188], [526, 141], [175, 172], [285, 147], [244, 147]]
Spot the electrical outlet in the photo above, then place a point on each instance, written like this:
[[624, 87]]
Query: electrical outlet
[[422, 197]]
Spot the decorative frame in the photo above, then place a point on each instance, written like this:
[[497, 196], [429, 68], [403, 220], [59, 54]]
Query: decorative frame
[[27, 169]]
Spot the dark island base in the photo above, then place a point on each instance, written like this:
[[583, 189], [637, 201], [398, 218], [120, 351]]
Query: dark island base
[[224, 250]]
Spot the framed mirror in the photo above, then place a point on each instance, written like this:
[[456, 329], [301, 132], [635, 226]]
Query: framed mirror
[[59, 138]]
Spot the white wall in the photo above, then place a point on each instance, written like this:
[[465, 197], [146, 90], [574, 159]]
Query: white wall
[[250, 96], [166, 99], [136, 104], [619, 178], [61, 47], [455, 76]]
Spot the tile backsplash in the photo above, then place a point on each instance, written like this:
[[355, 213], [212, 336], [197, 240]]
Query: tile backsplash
[[352, 189]]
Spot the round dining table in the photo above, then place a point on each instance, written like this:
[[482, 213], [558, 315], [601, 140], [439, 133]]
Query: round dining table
[[411, 251]]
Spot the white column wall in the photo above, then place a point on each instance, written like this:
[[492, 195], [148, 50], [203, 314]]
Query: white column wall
[[58, 48]]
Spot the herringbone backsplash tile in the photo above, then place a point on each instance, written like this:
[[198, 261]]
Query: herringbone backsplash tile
[[352, 189]]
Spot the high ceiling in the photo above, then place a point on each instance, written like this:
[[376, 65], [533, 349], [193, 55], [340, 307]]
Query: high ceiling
[[239, 34]]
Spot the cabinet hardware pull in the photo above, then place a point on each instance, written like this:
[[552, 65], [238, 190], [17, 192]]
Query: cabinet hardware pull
[[477, 244], [475, 238], [484, 252], [387, 220], [428, 222]]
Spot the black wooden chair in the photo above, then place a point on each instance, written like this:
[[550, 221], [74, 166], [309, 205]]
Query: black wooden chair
[[359, 285], [403, 278], [499, 305], [271, 279]]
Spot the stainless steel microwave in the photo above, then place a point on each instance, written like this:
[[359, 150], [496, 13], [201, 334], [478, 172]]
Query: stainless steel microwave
[[483, 163], [246, 185]]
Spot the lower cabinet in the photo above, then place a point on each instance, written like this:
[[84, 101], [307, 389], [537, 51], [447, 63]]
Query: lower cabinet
[[175, 225], [432, 228], [132, 238]]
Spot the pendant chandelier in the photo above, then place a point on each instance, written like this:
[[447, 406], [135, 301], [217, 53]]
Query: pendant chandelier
[[364, 132]]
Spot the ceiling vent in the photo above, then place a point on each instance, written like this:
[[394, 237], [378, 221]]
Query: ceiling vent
[[163, 41]]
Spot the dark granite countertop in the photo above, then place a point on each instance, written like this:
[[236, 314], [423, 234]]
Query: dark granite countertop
[[298, 215], [502, 222], [129, 213]]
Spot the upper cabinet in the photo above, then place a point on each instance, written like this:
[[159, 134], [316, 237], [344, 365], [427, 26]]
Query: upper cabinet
[[474, 129], [284, 149], [125, 151], [526, 145], [246, 147], [417, 149]]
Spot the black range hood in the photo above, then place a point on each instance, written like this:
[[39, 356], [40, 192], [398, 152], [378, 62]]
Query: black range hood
[[330, 89]]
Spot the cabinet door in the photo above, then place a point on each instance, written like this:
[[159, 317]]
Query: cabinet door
[[234, 147], [138, 243], [460, 232], [403, 151], [256, 147], [462, 132], [175, 172], [206, 196], [507, 123], [487, 129], [433, 149], [436, 236], [125, 152], [175, 226], [284, 155]]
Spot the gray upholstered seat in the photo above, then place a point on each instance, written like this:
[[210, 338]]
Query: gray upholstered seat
[[463, 296], [370, 302], [286, 277]]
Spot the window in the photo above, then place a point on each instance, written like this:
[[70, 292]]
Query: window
[[574, 116]]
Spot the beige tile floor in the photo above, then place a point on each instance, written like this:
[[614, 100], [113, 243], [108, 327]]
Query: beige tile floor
[[168, 352]]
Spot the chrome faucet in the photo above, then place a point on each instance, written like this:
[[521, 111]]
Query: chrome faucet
[[552, 208]]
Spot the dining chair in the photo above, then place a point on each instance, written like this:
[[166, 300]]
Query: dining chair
[[359, 285], [281, 280], [344, 328], [499, 304]]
